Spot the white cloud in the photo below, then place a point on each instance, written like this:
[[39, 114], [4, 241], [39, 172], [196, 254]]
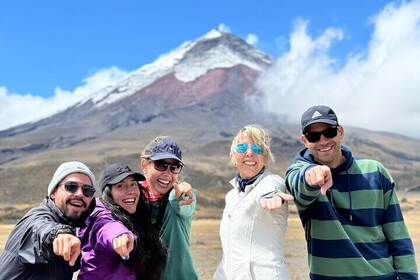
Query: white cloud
[[251, 39], [376, 88], [224, 28], [18, 109]]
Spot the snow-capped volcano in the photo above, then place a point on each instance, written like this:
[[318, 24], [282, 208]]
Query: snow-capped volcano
[[188, 62], [201, 84]]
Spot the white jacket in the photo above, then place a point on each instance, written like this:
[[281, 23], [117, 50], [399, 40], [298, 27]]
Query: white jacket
[[252, 237]]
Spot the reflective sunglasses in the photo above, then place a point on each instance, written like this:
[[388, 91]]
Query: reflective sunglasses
[[72, 187], [314, 136], [243, 147], [161, 165]]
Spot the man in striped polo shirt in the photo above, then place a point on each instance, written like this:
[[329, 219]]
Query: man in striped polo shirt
[[348, 207]]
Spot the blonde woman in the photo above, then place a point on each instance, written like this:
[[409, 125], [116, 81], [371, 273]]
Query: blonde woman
[[254, 220]]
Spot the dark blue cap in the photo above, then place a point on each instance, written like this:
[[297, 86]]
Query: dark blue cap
[[168, 148], [318, 114]]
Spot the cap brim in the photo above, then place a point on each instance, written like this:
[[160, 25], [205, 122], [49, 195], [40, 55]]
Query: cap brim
[[119, 178], [327, 121], [165, 156]]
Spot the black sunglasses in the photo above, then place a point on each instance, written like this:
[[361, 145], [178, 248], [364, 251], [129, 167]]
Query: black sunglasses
[[314, 136], [72, 187], [161, 165]]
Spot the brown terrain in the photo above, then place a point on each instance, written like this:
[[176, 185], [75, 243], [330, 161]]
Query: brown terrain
[[205, 242]]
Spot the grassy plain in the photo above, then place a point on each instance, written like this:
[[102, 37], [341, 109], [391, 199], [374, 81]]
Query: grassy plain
[[206, 249]]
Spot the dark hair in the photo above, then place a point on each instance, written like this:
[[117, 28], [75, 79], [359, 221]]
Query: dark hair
[[149, 255], [161, 203]]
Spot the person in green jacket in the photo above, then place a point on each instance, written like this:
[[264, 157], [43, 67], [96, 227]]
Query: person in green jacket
[[348, 207], [172, 204]]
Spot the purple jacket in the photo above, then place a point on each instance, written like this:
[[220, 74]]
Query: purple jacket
[[99, 260]]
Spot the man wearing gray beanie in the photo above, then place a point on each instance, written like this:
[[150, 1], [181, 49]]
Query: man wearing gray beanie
[[43, 244]]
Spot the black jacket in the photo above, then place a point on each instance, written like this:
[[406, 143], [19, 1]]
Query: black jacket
[[29, 255]]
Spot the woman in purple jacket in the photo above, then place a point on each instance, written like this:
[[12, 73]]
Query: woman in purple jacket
[[119, 241]]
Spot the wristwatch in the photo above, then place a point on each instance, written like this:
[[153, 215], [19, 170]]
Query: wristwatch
[[64, 230]]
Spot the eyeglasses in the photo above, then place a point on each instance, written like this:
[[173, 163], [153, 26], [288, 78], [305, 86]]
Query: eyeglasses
[[314, 136], [161, 165], [72, 187], [243, 147]]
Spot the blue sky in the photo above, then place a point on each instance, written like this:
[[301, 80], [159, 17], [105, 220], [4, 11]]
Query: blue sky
[[51, 51]]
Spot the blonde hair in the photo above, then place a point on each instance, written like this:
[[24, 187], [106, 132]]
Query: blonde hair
[[258, 135]]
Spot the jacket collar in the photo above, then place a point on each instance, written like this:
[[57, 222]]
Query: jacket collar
[[249, 187]]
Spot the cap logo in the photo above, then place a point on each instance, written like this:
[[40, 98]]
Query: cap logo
[[316, 114]]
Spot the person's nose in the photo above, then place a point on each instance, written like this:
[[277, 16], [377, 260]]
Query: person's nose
[[131, 189], [323, 139], [249, 151]]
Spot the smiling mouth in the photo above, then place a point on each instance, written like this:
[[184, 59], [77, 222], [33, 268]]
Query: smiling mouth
[[129, 201], [77, 203], [325, 149], [250, 163], [163, 182]]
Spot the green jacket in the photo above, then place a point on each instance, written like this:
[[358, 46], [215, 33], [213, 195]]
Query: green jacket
[[175, 232]]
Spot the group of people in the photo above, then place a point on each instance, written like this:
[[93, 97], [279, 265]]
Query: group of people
[[139, 228]]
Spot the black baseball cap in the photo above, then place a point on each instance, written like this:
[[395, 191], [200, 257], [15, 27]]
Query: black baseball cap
[[318, 114], [115, 173]]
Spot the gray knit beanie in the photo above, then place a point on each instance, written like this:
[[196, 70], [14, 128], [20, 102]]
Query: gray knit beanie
[[68, 168]]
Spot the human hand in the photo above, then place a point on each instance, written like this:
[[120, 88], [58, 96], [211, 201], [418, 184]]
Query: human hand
[[319, 175], [275, 202], [68, 246], [185, 190], [123, 245]]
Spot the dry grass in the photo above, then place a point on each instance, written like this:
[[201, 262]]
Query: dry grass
[[206, 250]]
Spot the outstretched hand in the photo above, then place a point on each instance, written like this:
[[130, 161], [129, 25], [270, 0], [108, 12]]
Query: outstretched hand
[[123, 245], [275, 202], [185, 191], [319, 175], [68, 246]]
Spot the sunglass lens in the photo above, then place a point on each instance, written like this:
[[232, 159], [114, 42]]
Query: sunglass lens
[[330, 132], [160, 165], [71, 187], [88, 191], [242, 148], [176, 168], [313, 136], [257, 149]]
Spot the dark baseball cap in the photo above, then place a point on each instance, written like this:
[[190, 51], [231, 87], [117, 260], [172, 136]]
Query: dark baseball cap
[[115, 173], [163, 149], [318, 114]]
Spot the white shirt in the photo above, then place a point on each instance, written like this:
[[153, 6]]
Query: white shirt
[[252, 237]]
